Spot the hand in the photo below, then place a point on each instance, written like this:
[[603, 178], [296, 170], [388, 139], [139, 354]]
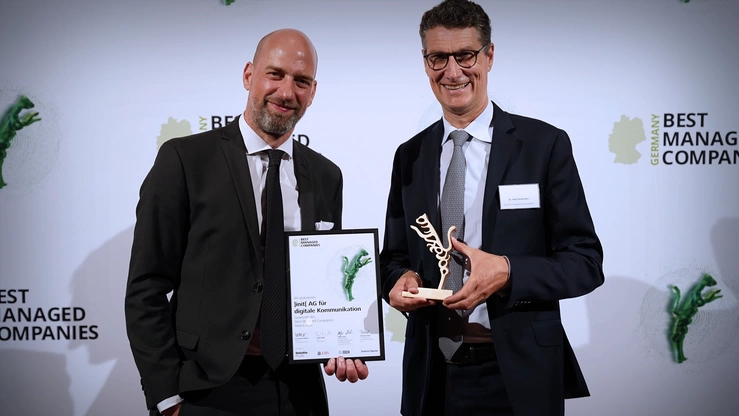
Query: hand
[[410, 282], [351, 370], [488, 274], [172, 411]]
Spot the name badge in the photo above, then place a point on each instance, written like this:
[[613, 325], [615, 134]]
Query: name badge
[[522, 196]]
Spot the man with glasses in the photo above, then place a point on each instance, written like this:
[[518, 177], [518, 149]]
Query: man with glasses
[[510, 186]]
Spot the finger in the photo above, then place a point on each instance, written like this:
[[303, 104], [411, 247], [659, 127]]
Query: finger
[[458, 300], [404, 304], [362, 369], [461, 247], [351, 372], [461, 303], [330, 367], [415, 303], [408, 301], [452, 303], [400, 302], [396, 293], [409, 284], [341, 368]]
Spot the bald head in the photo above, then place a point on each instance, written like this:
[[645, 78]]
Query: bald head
[[287, 39], [281, 82]]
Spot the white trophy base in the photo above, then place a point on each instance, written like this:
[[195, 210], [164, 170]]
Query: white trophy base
[[428, 293]]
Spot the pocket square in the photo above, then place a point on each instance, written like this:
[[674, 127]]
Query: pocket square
[[324, 226]]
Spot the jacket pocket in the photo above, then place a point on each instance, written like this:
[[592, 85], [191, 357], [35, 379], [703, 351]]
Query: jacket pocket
[[187, 339], [548, 333]]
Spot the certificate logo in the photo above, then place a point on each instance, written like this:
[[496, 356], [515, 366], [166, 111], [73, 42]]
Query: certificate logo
[[308, 242]]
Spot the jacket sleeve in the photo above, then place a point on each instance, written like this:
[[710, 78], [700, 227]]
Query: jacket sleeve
[[573, 265], [160, 239], [338, 203], [394, 257]]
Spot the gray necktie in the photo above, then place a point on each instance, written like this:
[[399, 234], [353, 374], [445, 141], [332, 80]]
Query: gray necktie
[[452, 214]]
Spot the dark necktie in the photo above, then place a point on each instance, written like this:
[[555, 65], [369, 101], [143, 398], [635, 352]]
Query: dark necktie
[[452, 214], [273, 326]]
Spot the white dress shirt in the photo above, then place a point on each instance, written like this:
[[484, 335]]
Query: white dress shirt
[[258, 164]]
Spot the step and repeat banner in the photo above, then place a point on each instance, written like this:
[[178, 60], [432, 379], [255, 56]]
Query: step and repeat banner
[[647, 91]]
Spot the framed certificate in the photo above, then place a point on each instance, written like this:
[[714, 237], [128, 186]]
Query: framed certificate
[[334, 294]]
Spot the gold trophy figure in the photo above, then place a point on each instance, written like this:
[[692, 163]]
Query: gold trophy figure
[[433, 242]]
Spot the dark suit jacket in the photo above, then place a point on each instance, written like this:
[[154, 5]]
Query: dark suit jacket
[[197, 234], [554, 254]]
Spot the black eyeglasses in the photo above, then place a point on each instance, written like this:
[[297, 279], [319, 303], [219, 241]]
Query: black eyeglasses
[[466, 59]]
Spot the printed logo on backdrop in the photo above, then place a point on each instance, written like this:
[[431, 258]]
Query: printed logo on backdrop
[[673, 139], [25, 320], [29, 140], [689, 317], [179, 128]]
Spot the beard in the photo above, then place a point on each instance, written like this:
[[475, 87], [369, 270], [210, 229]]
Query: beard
[[276, 124]]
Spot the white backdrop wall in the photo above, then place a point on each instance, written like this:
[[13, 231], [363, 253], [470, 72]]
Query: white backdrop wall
[[112, 79]]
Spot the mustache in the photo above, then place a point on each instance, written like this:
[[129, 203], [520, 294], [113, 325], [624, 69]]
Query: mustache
[[283, 103]]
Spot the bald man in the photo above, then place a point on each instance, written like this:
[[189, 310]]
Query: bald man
[[200, 235]]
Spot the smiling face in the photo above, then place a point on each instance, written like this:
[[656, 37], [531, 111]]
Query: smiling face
[[462, 92], [281, 84]]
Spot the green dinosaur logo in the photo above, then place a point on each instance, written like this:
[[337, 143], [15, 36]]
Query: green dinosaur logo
[[10, 124], [351, 269], [683, 313]]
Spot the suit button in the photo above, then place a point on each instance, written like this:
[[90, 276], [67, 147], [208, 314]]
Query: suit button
[[258, 287], [245, 335]]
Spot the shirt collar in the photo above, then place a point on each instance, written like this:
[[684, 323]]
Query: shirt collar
[[478, 129], [255, 144]]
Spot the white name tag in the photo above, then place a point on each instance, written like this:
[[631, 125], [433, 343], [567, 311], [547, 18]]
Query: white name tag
[[519, 196]]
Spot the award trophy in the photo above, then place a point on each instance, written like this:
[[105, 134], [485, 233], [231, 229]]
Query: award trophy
[[433, 242]]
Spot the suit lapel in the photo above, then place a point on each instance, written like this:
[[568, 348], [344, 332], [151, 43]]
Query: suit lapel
[[235, 152], [500, 154], [430, 154], [501, 149], [305, 188]]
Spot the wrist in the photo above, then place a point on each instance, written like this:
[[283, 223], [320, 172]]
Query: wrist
[[506, 273]]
